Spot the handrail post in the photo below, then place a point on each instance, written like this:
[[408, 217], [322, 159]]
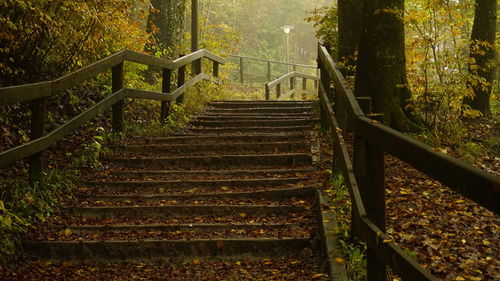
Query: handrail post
[[241, 70], [196, 67], [278, 90], [165, 88], [370, 176], [117, 84], [304, 88], [215, 71], [38, 116], [269, 71], [325, 80], [316, 82], [292, 86], [268, 92], [181, 79]]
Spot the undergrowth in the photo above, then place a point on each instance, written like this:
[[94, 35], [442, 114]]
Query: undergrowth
[[353, 249], [23, 204]]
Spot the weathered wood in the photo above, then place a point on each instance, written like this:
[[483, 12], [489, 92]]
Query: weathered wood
[[268, 92], [149, 95], [215, 71], [340, 83], [181, 79], [20, 152], [17, 94], [291, 75], [372, 189], [471, 182], [87, 72], [38, 117], [278, 91], [165, 88], [363, 227], [406, 267], [273, 61], [117, 84], [196, 67], [304, 84], [179, 92], [152, 61]]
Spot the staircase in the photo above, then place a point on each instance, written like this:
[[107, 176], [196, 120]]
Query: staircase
[[239, 184]]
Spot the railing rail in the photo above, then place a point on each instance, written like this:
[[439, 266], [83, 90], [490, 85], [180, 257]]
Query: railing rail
[[292, 77], [268, 71], [38, 94], [364, 176]]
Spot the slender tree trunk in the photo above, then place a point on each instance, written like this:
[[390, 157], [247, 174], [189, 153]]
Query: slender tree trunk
[[350, 21], [381, 66], [482, 57]]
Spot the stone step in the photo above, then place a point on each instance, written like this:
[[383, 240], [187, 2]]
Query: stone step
[[208, 174], [207, 227], [263, 110], [174, 250], [183, 210], [216, 162], [252, 123], [261, 104], [214, 149], [201, 186], [248, 130], [277, 117], [225, 193], [228, 138]]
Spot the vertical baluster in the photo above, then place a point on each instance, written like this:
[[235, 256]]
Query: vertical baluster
[[38, 117], [165, 88]]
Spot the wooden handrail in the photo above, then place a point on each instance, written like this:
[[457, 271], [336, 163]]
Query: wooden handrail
[[274, 61], [372, 139], [268, 71], [289, 76], [16, 94], [39, 92]]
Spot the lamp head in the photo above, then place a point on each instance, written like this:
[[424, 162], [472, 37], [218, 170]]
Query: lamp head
[[287, 28]]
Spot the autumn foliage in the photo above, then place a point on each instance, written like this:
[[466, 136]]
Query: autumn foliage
[[42, 39]]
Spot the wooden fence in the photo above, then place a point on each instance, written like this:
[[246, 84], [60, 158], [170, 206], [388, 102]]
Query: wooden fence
[[364, 177], [39, 93], [268, 68], [292, 76]]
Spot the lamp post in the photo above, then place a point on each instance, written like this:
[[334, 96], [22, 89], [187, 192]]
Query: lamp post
[[287, 29]]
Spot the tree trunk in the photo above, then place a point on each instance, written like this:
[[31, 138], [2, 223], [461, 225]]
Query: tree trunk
[[482, 57], [165, 26], [381, 66], [350, 20]]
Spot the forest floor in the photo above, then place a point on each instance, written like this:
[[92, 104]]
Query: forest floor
[[451, 236]]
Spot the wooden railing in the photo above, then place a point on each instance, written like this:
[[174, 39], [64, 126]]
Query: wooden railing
[[364, 176], [292, 76], [38, 94], [268, 67]]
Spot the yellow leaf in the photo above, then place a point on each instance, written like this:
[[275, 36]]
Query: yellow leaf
[[66, 232], [197, 262], [339, 260], [318, 275], [459, 278], [225, 188], [243, 215]]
